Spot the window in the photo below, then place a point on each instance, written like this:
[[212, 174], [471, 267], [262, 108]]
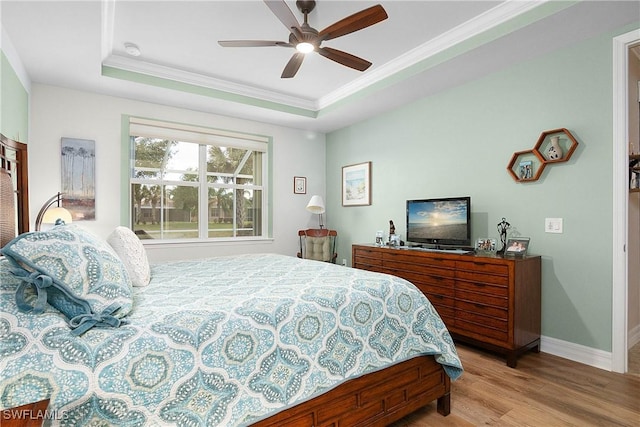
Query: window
[[193, 183]]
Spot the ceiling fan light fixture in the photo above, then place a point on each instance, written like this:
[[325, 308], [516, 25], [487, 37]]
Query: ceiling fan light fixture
[[305, 47]]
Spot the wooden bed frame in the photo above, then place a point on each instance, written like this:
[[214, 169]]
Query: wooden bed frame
[[13, 159], [372, 400], [375, 399]]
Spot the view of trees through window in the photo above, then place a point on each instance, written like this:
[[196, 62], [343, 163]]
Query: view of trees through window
[[186, 190]]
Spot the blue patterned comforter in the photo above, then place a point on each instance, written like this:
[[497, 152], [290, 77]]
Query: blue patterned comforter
[[222, 341]]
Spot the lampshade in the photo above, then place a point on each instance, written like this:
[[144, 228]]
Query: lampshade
[[55, 215], [316, 205]]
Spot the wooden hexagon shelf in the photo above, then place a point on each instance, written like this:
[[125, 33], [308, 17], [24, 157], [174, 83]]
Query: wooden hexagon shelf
[[567, 145], [526, 165], [553, 146]]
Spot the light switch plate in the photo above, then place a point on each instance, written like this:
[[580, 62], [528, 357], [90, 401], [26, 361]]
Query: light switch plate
[[553, 225]]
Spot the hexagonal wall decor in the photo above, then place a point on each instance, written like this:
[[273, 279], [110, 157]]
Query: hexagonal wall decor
[[553, 146]]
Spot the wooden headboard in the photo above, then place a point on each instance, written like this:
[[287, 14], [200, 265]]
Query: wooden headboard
[[13, 162]]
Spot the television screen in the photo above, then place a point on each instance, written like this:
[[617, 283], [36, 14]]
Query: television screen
[[440, 222]]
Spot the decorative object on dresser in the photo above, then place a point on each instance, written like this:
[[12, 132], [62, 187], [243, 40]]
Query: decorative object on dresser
[[503, 227], [488, 301], [356, 184], [517, 246], [553, 146], [485, 245]]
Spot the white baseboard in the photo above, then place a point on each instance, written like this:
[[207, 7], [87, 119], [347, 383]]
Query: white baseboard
[[633, 337], [576, 352]]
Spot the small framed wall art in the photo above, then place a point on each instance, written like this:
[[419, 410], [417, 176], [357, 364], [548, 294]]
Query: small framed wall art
[[299, 185], [517, 246], [356, 184]]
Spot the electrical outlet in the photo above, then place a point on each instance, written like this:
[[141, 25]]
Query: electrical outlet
[[553, 225]]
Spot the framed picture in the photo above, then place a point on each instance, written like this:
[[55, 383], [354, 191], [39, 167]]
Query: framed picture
[[486, 245], [79, 177], [356, 184], [299, 185], [517, 246], [525, 169]]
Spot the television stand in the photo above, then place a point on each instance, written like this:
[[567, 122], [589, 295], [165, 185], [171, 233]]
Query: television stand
[[488, 301]]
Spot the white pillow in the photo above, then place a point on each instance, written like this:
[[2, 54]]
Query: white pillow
[[132, 253]]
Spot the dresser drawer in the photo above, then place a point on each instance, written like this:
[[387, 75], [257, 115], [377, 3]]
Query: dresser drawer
[[485, 321], [420, 259], [418, 269], [482, 288], [479, 331], [483, 267], [483, 278], [473, 306], [368, 257], [427, 281], [437, 298]]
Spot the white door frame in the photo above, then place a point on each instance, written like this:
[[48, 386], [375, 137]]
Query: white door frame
[[620, 282]]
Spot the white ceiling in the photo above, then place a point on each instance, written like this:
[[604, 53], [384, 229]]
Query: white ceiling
[[67, 43]]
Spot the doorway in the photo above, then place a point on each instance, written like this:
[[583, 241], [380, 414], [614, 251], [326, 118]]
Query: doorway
[[620, 279]]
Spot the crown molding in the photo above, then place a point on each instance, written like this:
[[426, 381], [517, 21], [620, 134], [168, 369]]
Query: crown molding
[[182, 76]]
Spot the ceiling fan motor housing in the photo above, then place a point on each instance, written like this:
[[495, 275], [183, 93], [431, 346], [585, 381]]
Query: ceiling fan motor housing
[[305, 6]]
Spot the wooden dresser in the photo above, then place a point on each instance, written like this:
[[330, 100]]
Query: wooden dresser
[[488, 301]]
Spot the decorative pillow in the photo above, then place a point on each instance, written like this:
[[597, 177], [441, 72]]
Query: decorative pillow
[[74, 271], [132, 253]]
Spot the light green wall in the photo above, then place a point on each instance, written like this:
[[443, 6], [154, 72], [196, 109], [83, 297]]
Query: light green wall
[[14, 103], [459, 143]]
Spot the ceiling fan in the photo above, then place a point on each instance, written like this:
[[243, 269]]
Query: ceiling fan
[[306, 39]]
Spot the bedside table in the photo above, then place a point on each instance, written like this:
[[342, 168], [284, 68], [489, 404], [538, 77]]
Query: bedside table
[[30, 415]]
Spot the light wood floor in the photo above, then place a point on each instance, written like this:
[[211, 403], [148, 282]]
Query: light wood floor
[[543, 390]]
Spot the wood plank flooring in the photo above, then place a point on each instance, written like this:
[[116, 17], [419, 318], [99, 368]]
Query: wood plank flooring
[[544, 390]]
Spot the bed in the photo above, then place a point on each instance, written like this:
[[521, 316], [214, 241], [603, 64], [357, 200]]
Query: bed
[[259, 339]]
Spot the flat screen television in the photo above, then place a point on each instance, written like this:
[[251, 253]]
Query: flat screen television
[[443, 222]]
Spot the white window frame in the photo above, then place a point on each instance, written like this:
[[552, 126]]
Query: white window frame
[[203, 136]]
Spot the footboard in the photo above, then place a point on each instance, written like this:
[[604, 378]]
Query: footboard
[[375, 399]]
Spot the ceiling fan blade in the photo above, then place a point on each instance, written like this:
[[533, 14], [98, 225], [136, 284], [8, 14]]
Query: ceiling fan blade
[[284, 14], [355, 22], [293, 65], [252, 43], [344, 58]]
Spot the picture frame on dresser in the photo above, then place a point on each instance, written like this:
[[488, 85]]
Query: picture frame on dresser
[[485, 245], [517, 246]]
